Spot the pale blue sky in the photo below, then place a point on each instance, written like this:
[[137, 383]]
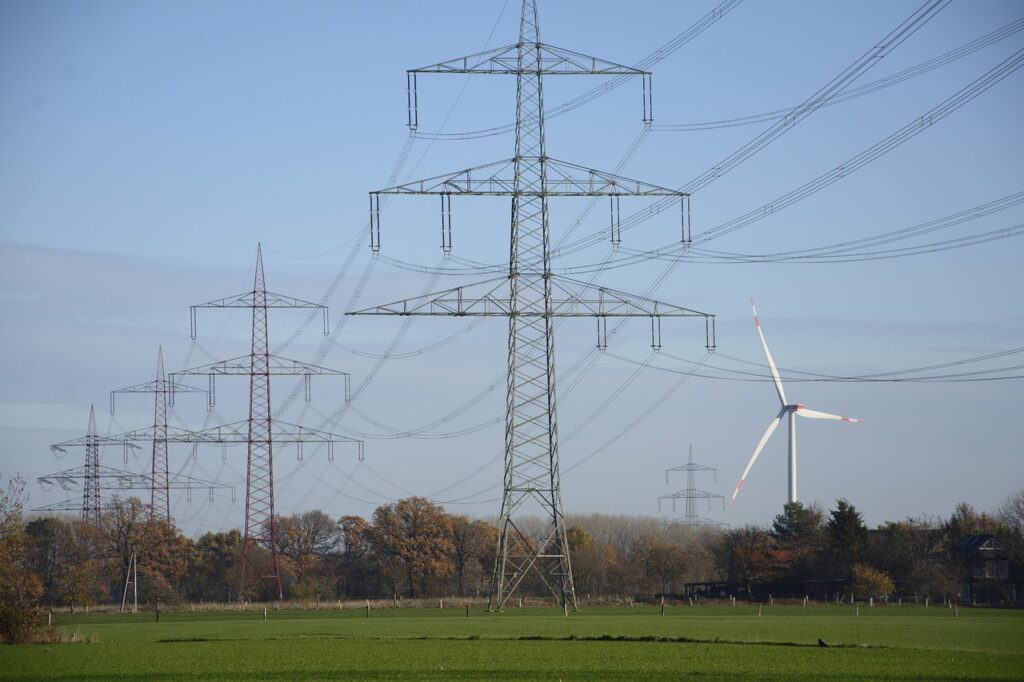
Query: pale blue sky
[[145, 148]]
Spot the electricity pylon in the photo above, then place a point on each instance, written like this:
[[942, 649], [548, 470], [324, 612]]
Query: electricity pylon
[[261, 431], [96, 478], [530, 295], [692, 494], [90, 471], [163, 394]]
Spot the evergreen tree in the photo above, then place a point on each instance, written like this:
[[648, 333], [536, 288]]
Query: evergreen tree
[[798, 534], [847, 535]]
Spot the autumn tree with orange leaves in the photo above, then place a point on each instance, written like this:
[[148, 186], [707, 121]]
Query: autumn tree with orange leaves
[[413, 539]]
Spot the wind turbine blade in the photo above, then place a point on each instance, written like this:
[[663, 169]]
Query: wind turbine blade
[[768, 357], [757, 451], [814, 414]]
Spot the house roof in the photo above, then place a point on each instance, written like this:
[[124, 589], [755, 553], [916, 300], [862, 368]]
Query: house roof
[[979, 544]]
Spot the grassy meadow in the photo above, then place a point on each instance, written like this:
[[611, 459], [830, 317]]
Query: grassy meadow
[[610, 643]]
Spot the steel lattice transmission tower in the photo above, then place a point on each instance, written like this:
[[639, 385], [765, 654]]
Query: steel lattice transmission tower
[[96, 478], [530, 296], [692, 494], [261, 431], [90, 473], [91, 488], [163, 394]]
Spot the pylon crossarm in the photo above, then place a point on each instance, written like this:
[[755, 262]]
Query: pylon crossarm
[[124, 480], [120, 479], [691, 494], [492, 300], [691, 467], [494, 178], [552, 61], [173, 434], [88, 441], [605, 302], [170, 387], [245, 300], [262, 299], [277, 365], [563, 179], [75, 505], [479, 62], [284, 432], [570, 179], [570, 298]]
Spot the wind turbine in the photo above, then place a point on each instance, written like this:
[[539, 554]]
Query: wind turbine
[[790, 410]]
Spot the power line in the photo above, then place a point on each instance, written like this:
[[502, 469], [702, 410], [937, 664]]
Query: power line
[[904, 134], [822, 96], [859, 91], [644, 64], [889, 376]]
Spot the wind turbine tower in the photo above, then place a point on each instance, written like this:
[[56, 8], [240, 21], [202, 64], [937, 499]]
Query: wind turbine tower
[[789, 411]]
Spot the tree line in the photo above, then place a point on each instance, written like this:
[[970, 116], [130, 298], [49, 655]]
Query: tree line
[[414, 548]]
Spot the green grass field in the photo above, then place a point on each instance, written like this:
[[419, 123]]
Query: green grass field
[[713, 643]]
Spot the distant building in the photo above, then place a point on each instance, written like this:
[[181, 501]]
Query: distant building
[[984, 570]]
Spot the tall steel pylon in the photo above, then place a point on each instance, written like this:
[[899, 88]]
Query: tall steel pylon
[[259, 479], [692, 494], [261, 431], [163, 392], [91, 488], [96, 478], [531, 296], [91, 473]]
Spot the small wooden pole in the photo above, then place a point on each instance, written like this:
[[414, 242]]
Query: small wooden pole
[[264, 613]]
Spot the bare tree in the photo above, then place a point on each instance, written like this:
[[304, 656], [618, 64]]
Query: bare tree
[[473, 544], [1011, 512]]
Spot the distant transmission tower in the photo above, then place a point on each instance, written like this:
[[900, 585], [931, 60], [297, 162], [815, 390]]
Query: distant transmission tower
[[530, 296], [692, 494], [261, 432], [163, 393], [95, 478], [90, 472]]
